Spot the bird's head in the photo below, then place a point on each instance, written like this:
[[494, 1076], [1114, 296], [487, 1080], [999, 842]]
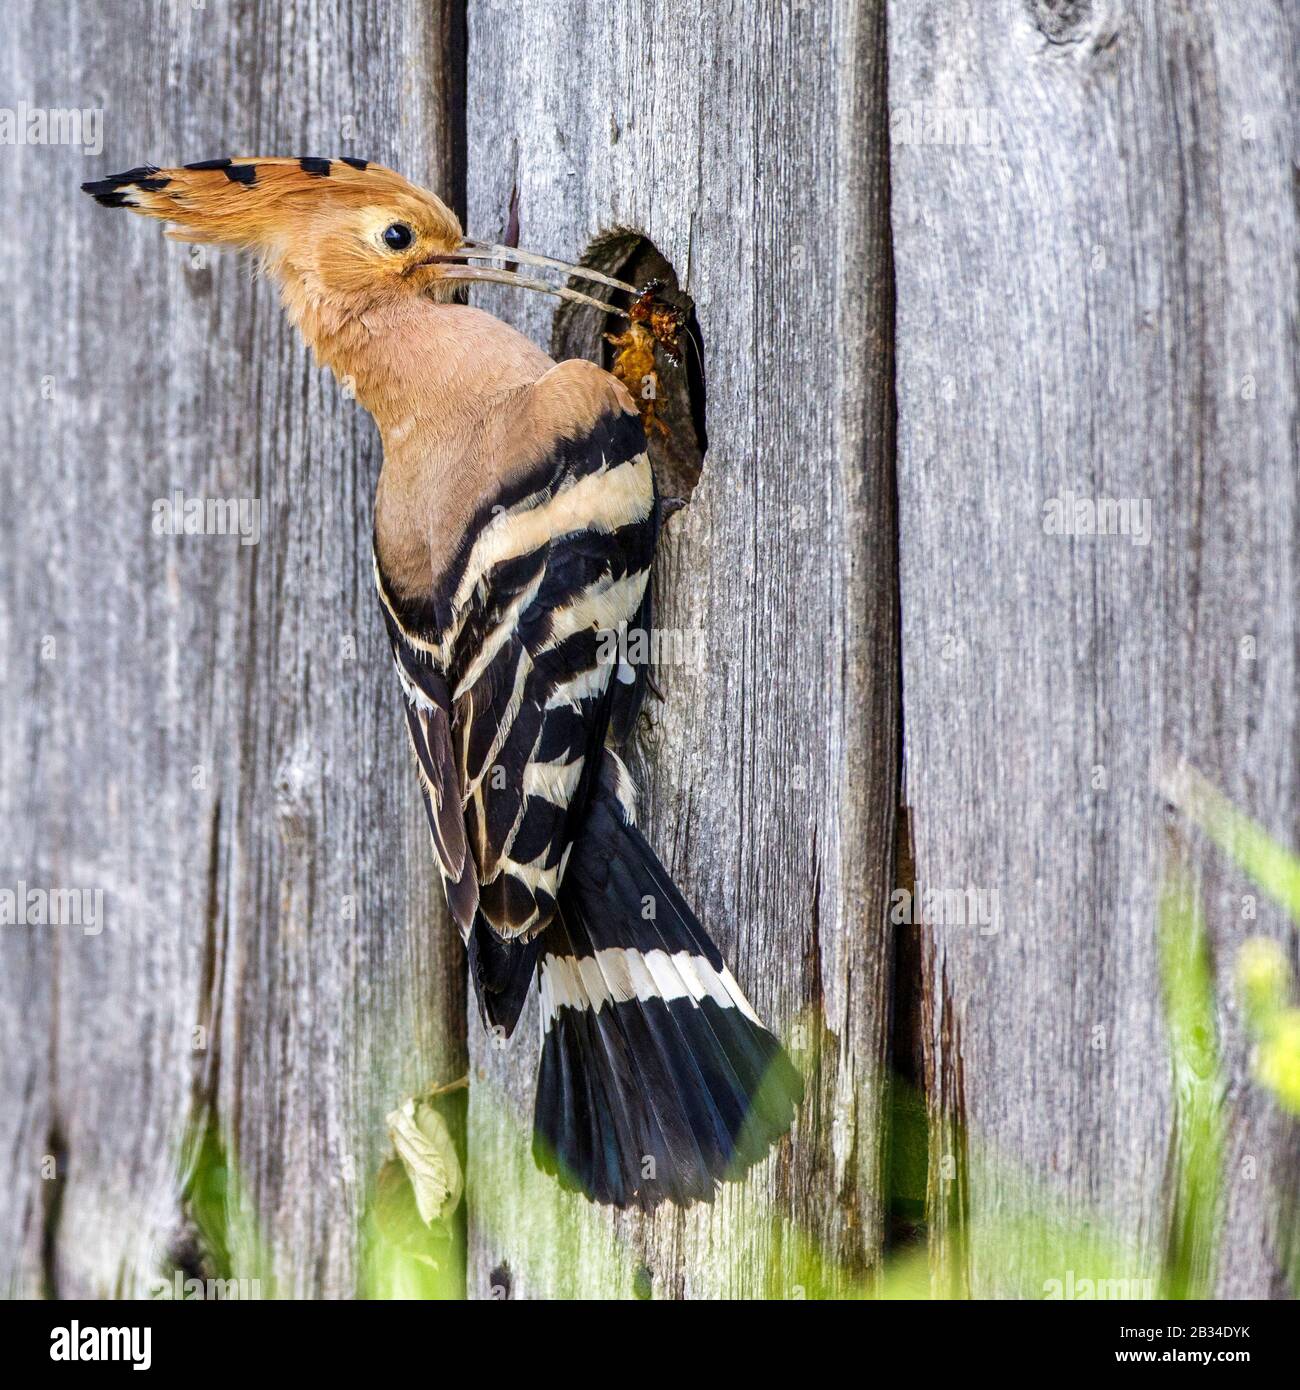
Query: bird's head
[[341, 235]]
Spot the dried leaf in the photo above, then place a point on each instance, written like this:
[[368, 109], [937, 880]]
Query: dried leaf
[[424, 1145]]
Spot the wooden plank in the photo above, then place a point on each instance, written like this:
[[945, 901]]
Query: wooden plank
[[1097, 297], [214, 738], [746, 143]]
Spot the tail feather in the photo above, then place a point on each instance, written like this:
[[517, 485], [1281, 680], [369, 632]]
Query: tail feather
[[657, 1079], [502, 974], [684, 1052], [724, 1056], [634, 1053], [609, 1117]]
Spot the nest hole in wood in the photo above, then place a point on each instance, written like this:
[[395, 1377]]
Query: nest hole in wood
[[676, 453]]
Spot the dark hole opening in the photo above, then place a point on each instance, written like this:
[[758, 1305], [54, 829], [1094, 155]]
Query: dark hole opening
[[676, 453]]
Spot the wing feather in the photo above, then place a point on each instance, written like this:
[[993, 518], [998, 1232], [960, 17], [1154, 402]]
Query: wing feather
[[506, 666]]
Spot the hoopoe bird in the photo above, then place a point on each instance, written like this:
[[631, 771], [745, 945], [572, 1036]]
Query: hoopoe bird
[[515, 521]]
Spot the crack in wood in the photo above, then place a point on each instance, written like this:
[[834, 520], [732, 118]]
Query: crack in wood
[[52, 1192]]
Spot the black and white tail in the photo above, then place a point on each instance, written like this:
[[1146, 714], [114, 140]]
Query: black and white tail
[[657, 1079]]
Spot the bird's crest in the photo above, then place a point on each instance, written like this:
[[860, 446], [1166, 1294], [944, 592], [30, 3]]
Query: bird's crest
[[246, 202]]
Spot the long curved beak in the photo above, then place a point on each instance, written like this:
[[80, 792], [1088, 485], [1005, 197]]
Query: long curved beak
[[470, 250], [485, 251]]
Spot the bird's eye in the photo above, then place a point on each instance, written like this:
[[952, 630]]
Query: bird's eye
[[398, 237]]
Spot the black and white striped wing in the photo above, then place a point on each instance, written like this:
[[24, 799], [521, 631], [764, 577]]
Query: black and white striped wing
[[534, 673], [510, 670], [428, 721]]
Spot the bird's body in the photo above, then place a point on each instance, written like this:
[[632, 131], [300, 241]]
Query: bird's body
[[515, 524]]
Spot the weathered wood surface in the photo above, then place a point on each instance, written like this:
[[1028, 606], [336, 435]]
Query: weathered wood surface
[[1102, 300], [747, 143], [208, 732]]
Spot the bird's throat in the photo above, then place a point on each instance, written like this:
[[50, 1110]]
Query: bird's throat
[[421, 368]]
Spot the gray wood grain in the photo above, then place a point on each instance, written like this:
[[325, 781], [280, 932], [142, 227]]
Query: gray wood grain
[[214, 738], [1101, 299], [746, 143]]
